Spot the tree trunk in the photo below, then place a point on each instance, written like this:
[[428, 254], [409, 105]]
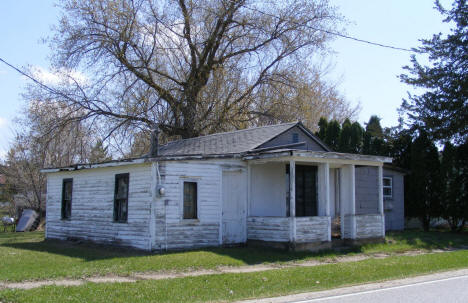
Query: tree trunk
[[425, 223]]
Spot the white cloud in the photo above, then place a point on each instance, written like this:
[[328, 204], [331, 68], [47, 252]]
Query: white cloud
[[55, 77], [3, 122]]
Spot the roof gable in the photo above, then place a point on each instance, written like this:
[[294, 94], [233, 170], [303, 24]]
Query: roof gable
[[239, 141], [297, 136]]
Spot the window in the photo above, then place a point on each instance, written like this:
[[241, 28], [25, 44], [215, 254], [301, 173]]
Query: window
[[295, 137], [67, 189], [190, 200], [387, 187], [121, 198]]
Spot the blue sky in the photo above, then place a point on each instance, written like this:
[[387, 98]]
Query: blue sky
[[367, 74]]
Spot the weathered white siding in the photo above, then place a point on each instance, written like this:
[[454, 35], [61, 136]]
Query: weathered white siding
[[368, 226], [93, 206], [268, 190], [347, 226], [270, 229], [312, 229], [174, 232]]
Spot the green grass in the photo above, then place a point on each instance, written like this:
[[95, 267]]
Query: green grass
[[26, 256], [230, 287]]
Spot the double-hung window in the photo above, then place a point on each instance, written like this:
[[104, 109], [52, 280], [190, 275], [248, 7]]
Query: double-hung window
[[190, 200], [67, 190], [387, 187], [121, 198]]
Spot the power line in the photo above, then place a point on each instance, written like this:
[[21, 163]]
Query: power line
[[26, 75], [336, 33]]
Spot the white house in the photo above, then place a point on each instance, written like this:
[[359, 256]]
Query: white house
[[277, 185]]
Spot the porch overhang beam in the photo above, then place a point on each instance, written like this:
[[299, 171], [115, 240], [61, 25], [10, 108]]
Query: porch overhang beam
[[318, 157]]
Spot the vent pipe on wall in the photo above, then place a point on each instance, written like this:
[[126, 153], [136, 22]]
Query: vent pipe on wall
[[154, 147]]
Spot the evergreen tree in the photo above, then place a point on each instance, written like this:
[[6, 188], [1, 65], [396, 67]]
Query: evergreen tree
[[442, 109], [356, 138], [424, 182], [454, 200], [344, 144], [99, 153], [333, 135], [323, 124], [373, 142]]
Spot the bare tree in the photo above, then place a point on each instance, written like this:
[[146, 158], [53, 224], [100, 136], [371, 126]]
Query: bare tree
[[194, 67], [303, 95], [38, 146]]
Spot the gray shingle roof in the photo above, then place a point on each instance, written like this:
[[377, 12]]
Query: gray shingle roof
[[225, 143]]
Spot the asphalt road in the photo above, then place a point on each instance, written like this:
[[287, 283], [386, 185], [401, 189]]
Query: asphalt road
[[443, 287], [447, 290]]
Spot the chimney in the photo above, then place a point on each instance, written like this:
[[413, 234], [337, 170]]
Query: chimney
[[154, 147]]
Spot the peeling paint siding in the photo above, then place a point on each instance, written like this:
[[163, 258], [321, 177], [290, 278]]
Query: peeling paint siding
[[347, 224], [368, 226], [312, 229], [173, 232], [93, 206], [367, 190], [271, 229]]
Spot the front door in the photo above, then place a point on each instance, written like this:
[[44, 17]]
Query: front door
[[234, 207]]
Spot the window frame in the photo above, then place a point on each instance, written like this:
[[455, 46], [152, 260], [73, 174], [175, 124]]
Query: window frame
[[387, 186], [196, 211], [117, 215], [63, 210]]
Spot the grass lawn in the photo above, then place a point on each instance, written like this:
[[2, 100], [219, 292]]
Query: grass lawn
[[26, 256], [230, 287]]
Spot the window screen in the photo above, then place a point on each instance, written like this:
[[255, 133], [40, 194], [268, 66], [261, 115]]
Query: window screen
[[190, 200]]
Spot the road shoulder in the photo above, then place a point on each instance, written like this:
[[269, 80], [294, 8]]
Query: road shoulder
[[361, 288]]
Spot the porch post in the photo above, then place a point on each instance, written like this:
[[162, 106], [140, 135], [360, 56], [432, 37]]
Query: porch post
[[292, 201], [348, 201], [353, 200], [381, 206], [324, 193], [327, 188]]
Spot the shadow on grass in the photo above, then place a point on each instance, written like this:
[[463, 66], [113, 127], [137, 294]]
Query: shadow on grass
[[87, 252], [248, 255], [92, 252], [434, 239]]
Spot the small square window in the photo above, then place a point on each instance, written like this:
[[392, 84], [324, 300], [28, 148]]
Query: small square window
[[387, 184], [190, 200]]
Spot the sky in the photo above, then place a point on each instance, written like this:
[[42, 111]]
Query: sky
[[367, 75]]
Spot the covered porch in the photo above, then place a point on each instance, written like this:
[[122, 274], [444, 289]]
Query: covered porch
[[305, 199]]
